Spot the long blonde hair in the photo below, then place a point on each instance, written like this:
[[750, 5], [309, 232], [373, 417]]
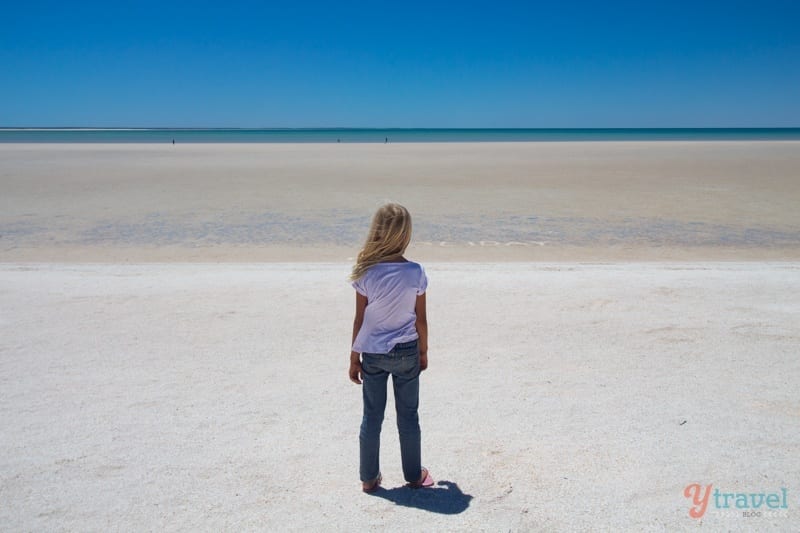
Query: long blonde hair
[[388, 236]]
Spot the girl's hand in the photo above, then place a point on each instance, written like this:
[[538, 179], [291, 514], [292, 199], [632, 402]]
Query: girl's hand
[[423, 361], [355, 372]]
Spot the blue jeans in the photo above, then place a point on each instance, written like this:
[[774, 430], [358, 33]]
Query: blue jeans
[[402, 362]]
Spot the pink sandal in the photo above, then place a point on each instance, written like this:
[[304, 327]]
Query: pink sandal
[[425, 480]]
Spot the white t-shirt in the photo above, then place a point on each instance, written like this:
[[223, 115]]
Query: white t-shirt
[[389, 318]]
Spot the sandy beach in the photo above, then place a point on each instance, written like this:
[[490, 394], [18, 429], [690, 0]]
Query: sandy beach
[[591, 201], [610, 322], [560, 397]]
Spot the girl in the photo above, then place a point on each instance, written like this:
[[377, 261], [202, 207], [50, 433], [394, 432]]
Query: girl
[[390, 332]]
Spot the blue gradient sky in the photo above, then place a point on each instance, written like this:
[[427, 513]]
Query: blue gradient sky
[[401, 64]]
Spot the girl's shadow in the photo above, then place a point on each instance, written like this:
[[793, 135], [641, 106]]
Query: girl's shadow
[[445, 500]]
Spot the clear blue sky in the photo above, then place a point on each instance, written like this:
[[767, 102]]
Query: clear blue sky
[[669, 63]]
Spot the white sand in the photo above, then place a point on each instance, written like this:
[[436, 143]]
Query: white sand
[[173, 393], [215, 397]]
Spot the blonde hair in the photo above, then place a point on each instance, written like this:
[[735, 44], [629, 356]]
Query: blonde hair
[[388, 236]]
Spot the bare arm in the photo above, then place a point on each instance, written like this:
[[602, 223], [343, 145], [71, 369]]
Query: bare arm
[[422, 331], [355, 360]]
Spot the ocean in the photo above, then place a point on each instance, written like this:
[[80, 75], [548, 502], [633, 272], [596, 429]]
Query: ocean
[[379, 135]]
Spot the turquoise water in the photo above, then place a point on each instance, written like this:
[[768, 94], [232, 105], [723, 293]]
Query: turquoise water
[[367, 135]]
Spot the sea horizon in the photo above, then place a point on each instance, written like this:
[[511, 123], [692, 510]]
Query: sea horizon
[[80, 134]]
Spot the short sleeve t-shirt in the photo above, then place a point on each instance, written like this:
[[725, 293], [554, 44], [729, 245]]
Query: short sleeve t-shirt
[[389, 318]]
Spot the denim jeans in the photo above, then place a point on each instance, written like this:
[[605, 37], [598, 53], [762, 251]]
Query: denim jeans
[[402, 362]]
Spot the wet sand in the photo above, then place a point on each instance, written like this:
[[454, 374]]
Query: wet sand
[[590, 201]]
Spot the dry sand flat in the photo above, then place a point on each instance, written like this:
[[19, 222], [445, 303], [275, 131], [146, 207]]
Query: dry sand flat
[[480, 201], [561, 397]]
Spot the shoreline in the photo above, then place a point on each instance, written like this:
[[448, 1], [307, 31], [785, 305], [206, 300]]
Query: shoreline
[[449, 254], [412, 144], [386, 135]]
